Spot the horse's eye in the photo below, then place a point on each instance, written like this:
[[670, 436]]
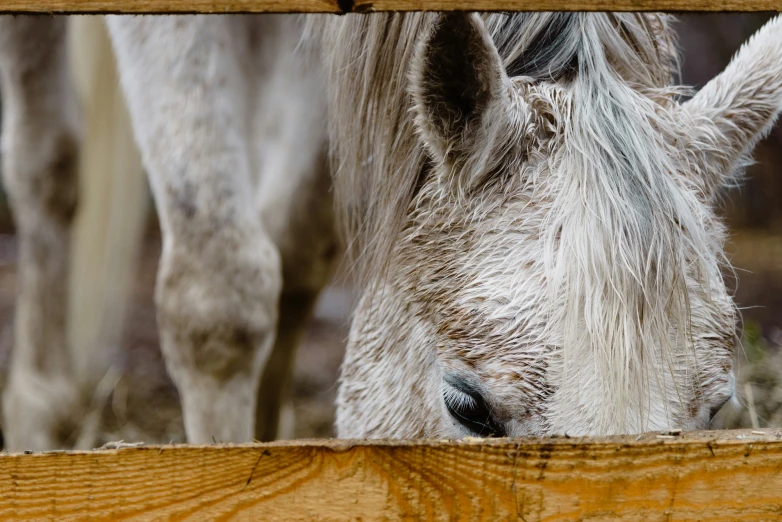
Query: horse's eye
[[469, 409]]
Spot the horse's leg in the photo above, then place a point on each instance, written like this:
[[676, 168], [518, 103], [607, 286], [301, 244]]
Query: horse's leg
[[293, 192], [41, 402], [219, 277], [302, 225]]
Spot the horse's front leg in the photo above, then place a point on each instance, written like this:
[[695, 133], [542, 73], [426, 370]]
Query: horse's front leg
[[41, 403], [294, 197], [301, 222], [220, 276]]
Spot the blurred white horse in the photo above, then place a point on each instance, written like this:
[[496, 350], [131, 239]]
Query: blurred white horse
[[230, 123], [532, 206]]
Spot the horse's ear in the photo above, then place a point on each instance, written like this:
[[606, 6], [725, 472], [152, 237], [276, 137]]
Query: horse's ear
[[736, 108], [457, 79]]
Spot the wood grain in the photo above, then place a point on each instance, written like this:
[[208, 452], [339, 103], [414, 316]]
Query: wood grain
[[715, 476], [343, 6]]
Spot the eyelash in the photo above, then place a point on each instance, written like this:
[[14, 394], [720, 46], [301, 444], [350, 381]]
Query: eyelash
[[457, 399], [472, 412]]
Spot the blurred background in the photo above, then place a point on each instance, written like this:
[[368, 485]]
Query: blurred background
[[142, 403]]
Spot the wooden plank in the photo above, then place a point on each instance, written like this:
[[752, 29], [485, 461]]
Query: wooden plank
[[715, 476], [363, 6]]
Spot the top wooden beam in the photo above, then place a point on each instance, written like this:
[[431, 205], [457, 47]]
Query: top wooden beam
[[366, 6]]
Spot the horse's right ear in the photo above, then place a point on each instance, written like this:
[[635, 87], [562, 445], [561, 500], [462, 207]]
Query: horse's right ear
[[457, 80]]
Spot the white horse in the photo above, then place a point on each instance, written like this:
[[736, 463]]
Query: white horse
[[230, 123], [534, 211], [532, 206]]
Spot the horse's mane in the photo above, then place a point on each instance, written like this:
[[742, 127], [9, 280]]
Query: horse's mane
[[377, 157], [615, 254]]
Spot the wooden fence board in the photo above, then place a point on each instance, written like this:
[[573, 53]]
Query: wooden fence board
[[715, 476], [342, 6]]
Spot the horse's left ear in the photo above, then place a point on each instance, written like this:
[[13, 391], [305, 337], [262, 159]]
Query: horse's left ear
[[736, 108], [457, 82]]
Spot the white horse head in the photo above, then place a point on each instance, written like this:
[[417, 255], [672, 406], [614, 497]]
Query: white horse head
[[534, 212]]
